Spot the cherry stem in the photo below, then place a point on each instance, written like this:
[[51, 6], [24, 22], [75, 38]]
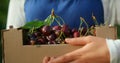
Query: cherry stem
[[81, 31], [80, 26], [82, 19], [58, 22], [60, 36], [61, 19], [95, 20], [52, 19]]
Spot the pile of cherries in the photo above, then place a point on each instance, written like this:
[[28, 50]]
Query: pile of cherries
[[47, 34], [53, 35]]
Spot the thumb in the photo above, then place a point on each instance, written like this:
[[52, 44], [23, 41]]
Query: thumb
[[80, 41]]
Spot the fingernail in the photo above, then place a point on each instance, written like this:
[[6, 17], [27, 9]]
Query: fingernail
[[51, 58]]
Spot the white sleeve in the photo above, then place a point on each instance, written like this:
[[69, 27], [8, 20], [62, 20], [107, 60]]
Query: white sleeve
[[16, 15], [111, 11], [114, 48]]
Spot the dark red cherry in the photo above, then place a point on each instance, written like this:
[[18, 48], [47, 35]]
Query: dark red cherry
[[46, 30], [51, 37], [76, 34], [56, 27]]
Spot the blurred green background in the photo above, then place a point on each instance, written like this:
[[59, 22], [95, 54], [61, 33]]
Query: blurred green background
[[3, 13], [3, 17]]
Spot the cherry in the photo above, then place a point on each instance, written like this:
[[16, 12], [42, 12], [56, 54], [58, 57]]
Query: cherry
[[41, 41], [76, 34], [37, 33], [46, 30], [74, 30], [57, 32], [51, 42], [65, 29], [56, 27], [31, 36], [51, 37], [32, 42], [84, 31]]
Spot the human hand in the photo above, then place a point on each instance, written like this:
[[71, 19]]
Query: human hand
[[94, 50]]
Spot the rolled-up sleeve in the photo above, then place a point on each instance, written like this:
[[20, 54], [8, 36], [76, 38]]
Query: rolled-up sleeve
[[16, 15], [114, 48]]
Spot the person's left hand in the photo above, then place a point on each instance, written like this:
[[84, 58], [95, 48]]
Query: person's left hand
[[94, 51]]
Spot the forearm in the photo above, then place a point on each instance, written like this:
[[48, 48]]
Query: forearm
[[114, 46]]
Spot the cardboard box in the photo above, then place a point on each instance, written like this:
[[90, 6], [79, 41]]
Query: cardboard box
[[15, 52], [109, 32]]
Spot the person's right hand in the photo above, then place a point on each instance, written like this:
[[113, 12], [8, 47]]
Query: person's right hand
[[94, 50]]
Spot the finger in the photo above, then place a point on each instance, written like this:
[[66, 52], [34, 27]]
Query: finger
[[51, 58], [69, 57], [76, 41], [46, 59], [61, 59]]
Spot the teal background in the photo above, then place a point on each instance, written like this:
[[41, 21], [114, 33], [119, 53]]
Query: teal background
[[3, 17]]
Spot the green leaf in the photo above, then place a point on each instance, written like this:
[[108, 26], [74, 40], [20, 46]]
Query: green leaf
[[35, 24]]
